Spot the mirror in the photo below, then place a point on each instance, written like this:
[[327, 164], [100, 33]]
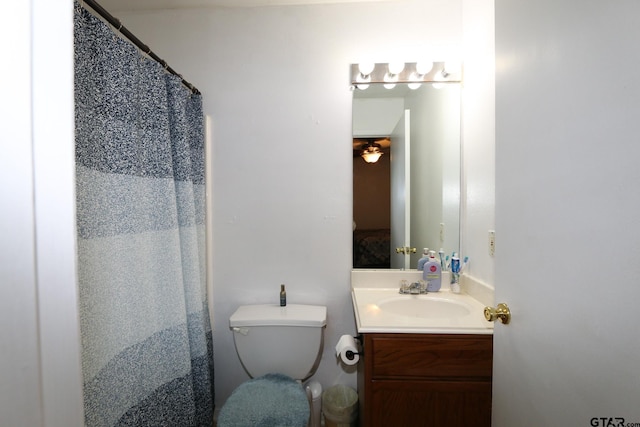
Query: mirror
[[410, 197]]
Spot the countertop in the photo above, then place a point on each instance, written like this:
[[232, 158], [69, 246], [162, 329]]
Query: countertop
[[370, 318]]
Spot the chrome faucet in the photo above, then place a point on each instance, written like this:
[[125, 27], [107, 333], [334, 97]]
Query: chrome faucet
[[415, 288]]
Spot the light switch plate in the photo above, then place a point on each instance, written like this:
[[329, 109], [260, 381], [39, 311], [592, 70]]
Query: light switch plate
[[492, 242]]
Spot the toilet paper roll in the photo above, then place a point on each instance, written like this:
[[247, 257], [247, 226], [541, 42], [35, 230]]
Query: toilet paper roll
[[347, 350]]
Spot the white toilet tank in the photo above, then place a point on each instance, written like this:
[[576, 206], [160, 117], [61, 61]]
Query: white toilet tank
[[273, 339]]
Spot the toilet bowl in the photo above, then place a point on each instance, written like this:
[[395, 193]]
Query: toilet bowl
[[279, 347]]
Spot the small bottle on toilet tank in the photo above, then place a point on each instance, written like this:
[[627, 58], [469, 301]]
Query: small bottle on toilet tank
[[283, 296]]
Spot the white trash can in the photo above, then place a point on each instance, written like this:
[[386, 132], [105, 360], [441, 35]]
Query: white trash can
[[340, 406]]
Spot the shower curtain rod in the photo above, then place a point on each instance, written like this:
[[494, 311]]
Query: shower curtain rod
[[115, 22]]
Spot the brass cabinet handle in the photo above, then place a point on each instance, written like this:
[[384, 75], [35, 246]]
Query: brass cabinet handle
[[406, 250], [501, 313]]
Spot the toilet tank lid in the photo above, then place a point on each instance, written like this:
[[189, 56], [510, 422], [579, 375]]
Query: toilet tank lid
[[274, 315]]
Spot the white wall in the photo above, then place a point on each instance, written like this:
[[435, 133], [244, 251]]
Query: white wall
[[276, 82], [20, 370], [478, 136], [40, 378]]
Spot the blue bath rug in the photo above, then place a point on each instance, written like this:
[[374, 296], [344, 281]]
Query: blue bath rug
[[273, 400]]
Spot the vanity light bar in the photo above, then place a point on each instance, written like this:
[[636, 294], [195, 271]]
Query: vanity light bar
[[440, 72]]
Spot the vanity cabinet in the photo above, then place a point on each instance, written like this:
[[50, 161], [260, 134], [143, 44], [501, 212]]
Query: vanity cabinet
[[430, 380]]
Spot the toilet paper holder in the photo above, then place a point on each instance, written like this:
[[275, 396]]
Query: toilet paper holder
[[352, 354], [349, 349]]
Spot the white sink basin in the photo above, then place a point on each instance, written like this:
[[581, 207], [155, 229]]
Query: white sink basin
[[380, 310], [425, 306]]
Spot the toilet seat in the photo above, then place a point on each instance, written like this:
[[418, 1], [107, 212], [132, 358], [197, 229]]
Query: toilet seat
[[273, 400]]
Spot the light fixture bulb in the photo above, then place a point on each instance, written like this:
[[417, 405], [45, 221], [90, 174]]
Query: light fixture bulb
[[423, 68], [451, 67], [439, 78], [415, 80], [366, 68], [390, 80], [396, 67], [363, 79]]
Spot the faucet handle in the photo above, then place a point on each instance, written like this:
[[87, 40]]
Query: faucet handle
[[404, 287], [423, 286]]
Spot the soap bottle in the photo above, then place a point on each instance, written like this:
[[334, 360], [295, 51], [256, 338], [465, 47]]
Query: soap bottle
[[425, 258], [283, 296], [432, 273]]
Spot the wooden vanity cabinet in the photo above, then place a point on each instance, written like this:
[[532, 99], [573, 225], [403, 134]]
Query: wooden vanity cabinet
[[429, 380]]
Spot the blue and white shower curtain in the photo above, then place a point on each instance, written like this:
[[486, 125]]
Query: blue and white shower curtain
[[147, 352]]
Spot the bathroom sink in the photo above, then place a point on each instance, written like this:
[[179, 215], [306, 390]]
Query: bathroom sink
[[425, 306], [384, 310]]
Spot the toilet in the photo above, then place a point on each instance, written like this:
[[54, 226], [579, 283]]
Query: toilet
[[279, 347]]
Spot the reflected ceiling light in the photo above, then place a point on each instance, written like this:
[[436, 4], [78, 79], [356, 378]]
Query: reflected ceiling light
[[372, 156], [371, 152]]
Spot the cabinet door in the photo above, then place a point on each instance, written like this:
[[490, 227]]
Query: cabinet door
[[408, 380], [430, 404]]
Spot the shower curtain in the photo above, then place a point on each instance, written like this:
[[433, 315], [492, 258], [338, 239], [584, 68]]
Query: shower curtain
[[147, 351]]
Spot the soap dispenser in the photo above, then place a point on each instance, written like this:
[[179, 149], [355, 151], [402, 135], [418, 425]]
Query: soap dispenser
[[432, 273], [424, 259]]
